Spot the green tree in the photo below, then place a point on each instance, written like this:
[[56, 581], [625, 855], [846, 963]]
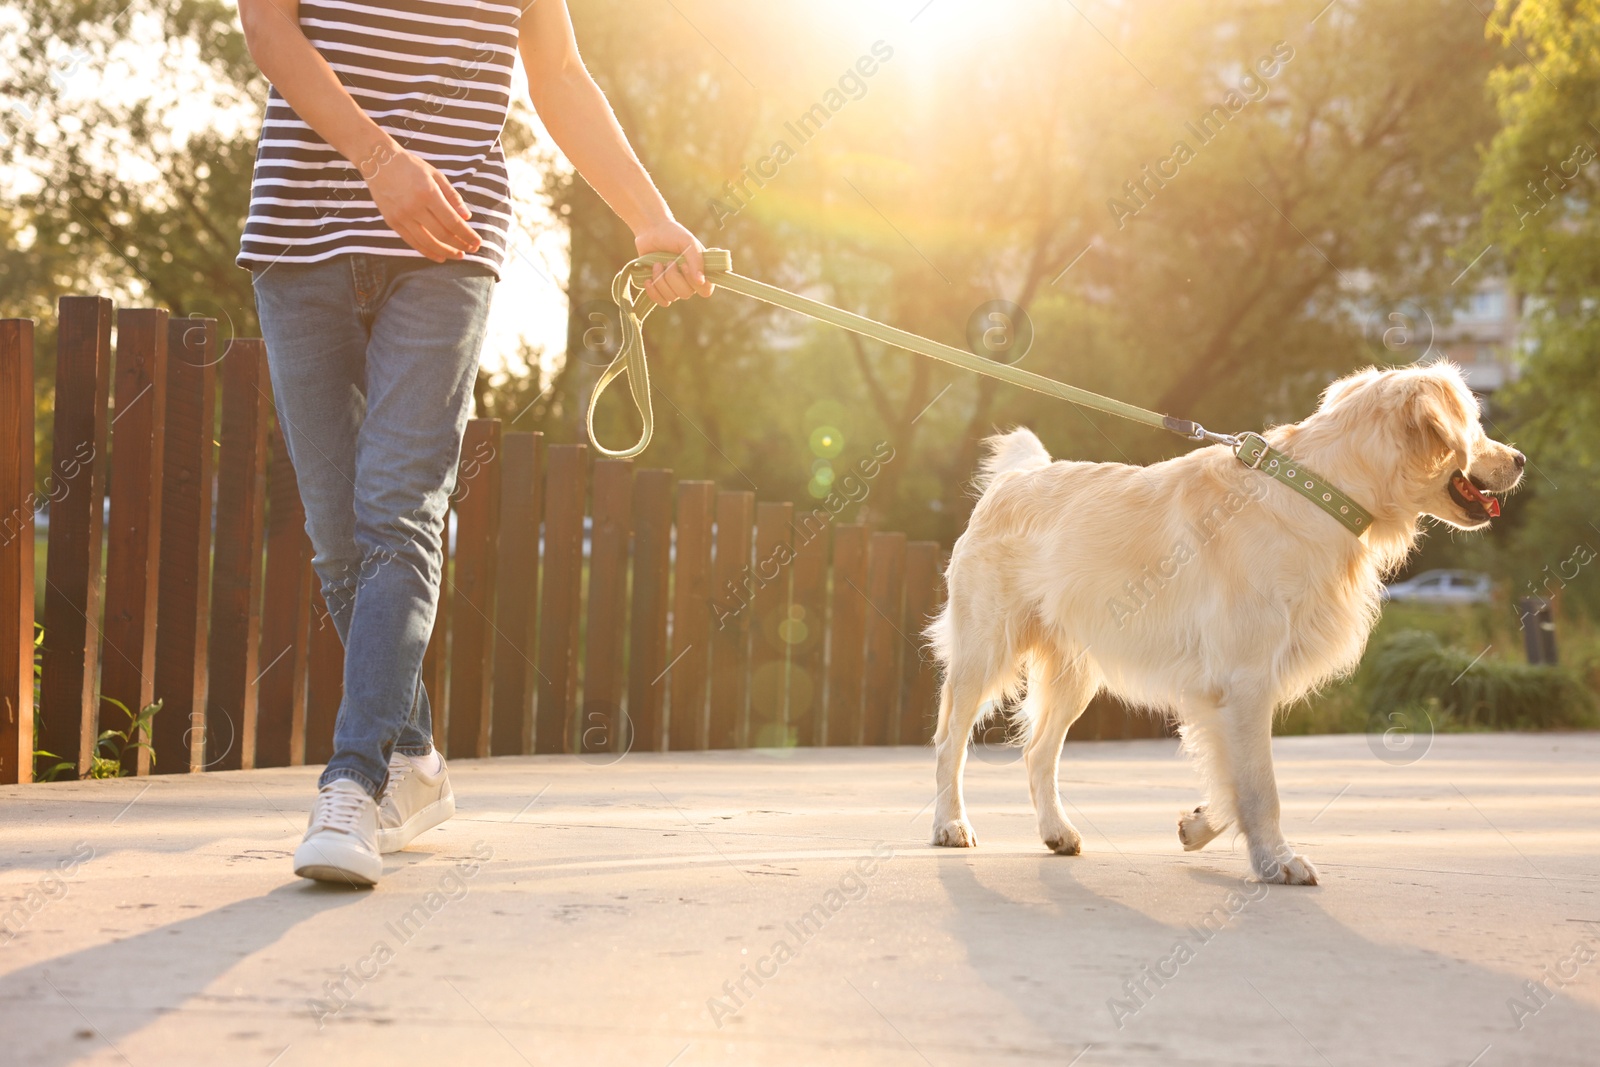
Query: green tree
[[129, 164], [1541, 184], [978, 163], [1232, 295]]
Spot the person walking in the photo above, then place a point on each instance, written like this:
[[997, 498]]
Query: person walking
[[379, 222]]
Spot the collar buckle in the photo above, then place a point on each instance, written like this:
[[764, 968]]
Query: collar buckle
[[1250, 440]]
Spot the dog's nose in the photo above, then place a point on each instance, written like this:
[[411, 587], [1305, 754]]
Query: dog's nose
[[1519, 459]]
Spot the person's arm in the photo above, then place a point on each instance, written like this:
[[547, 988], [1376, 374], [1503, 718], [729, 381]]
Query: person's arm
[[414, 198], [580, 120]]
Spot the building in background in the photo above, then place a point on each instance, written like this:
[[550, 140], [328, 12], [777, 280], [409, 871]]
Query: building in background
[[1485, 336]]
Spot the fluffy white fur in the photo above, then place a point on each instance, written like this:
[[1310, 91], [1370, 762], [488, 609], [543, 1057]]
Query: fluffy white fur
[[1197, 588]]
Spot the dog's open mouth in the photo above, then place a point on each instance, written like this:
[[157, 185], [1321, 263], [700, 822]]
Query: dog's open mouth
[[1466, 491]]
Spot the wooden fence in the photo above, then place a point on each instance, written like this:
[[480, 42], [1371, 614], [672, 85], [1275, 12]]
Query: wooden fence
[[588, 607]]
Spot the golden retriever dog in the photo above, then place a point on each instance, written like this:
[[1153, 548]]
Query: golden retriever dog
[[1197, 588]]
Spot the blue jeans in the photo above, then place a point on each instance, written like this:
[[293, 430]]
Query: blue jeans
[[373, 359]]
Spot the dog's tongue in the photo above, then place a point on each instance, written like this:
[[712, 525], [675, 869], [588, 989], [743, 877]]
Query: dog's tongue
[[1465, 487]]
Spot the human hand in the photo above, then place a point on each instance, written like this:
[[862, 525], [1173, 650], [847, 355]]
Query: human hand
[[678, 280], [419, 204]]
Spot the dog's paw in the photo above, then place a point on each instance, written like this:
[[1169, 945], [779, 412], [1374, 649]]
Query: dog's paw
[[1195, 830], [1067, 844], [1060, 836], [957, 833], [1297, 871]]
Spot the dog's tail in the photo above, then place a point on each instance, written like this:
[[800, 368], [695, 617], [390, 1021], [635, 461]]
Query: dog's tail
[[1019, 450]]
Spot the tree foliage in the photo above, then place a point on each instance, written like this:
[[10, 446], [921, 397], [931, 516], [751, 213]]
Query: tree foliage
[[1541, 185], [1232, 295], [983, 160]]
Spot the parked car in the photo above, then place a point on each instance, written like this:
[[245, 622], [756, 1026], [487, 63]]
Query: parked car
[[1441, 587]]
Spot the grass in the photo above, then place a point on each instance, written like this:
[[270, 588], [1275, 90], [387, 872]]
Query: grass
[[1463, 667], [1414, 668]]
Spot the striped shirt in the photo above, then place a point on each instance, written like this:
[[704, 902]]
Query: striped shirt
[[436, 75]]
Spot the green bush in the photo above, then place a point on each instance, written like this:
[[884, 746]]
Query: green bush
[[1413, 668]]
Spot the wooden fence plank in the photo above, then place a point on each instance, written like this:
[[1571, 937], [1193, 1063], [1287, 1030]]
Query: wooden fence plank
[[601, 727], [732, 590], [1102, 720], [847, 635], [1109, 719], [886, 571], [285, 617], [769, 618], [807, 632], [133, 540], [689, 667], [236, 578], [67, 706], [324, 681], [472, 590], [565, 487], [300, 719], [183, 610], [17, 507], [436, 657], [919, 711], [647, 637], [515, 609]]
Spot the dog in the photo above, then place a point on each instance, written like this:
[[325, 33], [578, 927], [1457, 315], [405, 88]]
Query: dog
[[1196, 587]]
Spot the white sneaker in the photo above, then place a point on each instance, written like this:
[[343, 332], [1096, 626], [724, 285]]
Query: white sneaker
[[341, 842], [416, 799]]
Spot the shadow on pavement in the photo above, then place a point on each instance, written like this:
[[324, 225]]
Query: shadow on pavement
[[1279, 981], [104, 993]]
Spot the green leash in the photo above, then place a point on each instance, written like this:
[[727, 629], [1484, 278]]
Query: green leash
[[634, 307]]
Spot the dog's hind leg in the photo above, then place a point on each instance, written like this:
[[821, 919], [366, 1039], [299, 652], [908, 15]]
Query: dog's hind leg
[[960, 699], [1058, 692]]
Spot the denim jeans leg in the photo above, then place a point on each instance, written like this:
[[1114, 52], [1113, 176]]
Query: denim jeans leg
[[422, 359], [316, 353], [353, 344]]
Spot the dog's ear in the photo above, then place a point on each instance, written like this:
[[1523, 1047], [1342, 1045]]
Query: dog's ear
[[1437, 411]]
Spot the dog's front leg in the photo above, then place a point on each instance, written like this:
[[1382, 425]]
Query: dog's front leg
[[1249, 727], [1198, 828]]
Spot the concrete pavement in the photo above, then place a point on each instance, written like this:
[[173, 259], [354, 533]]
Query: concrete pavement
[[759, 907]]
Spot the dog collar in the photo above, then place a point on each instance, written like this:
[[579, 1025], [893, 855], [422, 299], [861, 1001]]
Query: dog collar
[[1254, 452]]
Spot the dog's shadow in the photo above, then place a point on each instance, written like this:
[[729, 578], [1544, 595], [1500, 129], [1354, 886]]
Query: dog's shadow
[[1264, 973]]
